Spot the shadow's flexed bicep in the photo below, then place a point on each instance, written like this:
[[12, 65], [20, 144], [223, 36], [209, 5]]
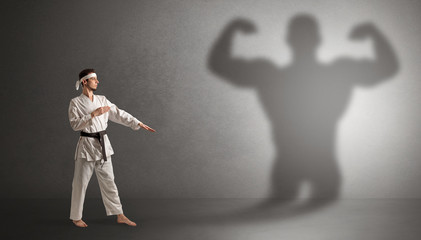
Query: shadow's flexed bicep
[[235, 70], [369, 72]]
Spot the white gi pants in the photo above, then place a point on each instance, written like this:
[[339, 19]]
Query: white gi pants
[[82, 175]]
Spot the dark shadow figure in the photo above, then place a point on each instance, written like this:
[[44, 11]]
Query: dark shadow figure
[[304, 102]]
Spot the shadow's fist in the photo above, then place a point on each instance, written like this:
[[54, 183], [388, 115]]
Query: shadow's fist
[[363, 31], [243, 25]]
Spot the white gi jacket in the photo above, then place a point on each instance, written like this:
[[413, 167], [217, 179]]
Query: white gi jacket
[[80, 110]]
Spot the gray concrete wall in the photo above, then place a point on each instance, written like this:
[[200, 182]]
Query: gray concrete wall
[[222, 123]]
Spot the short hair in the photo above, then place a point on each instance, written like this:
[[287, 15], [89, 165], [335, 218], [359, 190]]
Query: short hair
[[86, 72]]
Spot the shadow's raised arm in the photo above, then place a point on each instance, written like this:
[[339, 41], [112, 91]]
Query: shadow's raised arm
[[369, 72], [237, 71]]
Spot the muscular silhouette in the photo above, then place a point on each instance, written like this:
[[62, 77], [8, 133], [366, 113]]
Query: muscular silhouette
[[304, 100]]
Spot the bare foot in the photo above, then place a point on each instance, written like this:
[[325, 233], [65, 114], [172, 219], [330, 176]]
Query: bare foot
[[123, 219], [80, 223]]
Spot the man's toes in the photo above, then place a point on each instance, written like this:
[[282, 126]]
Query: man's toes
[[80, 223], [127, 221], [130, 223]]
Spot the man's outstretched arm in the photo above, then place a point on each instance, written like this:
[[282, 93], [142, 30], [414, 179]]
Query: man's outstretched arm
[[126, 119]]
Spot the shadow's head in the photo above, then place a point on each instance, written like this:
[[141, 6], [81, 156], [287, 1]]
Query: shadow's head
[[303, 35]]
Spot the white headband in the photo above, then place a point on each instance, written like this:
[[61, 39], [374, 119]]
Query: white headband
[[84, 78]]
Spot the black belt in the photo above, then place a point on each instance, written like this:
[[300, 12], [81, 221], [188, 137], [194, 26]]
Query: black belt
[[100, 137]]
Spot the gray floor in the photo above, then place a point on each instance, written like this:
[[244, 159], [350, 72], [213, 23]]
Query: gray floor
[[218, 219]]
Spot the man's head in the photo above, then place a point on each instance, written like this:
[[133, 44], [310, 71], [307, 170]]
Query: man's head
[[92, 82]]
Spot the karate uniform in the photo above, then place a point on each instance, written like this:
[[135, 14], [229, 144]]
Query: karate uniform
[[88, 153]]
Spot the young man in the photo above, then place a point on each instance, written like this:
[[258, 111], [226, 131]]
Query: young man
[[89, 114]]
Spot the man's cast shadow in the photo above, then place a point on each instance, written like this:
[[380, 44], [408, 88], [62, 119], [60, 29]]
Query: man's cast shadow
[[304, 102]]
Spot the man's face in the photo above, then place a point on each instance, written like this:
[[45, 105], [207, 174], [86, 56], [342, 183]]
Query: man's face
[[92, 83]]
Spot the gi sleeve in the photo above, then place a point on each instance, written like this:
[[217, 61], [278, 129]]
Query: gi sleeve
[[122, 117], [78, 122]]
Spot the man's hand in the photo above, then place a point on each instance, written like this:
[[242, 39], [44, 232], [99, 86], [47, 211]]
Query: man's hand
[[99, 111], [142, 125]]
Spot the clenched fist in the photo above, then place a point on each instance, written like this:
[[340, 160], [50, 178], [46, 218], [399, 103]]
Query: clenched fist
[[99, 111]]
